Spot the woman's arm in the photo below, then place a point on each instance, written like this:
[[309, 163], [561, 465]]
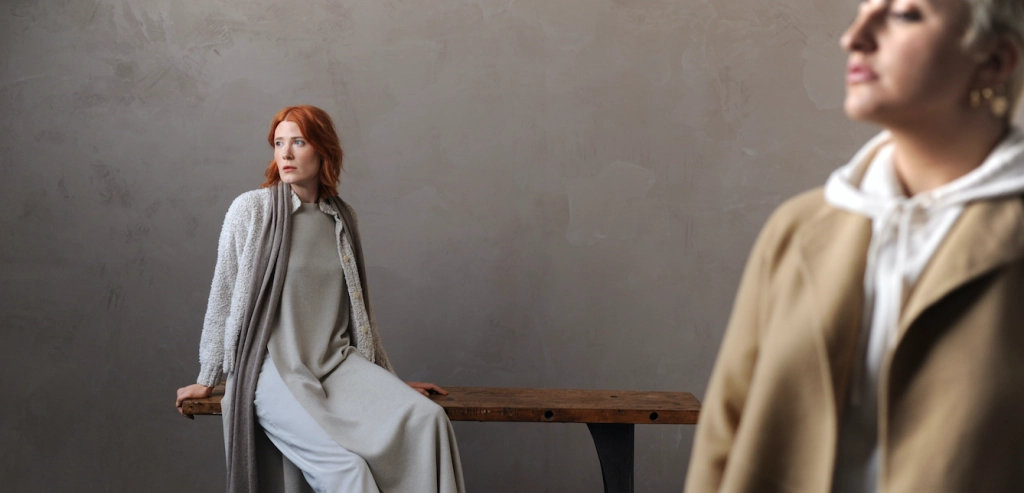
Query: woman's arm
[[726, 395], [380, 357], [218, 308], [378, 350]]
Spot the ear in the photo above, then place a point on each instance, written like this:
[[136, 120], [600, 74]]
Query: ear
[[999, 62]]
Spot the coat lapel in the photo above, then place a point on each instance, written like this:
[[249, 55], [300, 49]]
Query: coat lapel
[[988, 234], [833, 250], [833, 253]]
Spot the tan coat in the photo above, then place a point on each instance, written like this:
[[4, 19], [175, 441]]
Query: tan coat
[[951, 405]]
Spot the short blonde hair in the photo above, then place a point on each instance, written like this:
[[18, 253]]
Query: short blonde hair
[[991, 19]]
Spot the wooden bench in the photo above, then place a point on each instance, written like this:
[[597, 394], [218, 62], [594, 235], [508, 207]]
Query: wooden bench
[[610, 416]]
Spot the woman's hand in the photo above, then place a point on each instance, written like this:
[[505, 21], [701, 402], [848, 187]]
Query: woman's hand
[[194, 391], [423, 388]]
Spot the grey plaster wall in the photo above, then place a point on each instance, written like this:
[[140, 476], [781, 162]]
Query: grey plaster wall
[[554, 193]]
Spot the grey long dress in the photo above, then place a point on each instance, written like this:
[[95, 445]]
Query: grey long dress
[[405, 438]]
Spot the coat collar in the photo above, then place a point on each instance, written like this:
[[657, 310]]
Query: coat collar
[[989, 234]]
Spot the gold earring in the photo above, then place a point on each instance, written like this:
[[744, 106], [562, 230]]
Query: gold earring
[[1000, 105]]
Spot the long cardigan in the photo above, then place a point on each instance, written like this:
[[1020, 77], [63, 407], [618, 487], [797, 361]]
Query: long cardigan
[[236, 255], [951, 391], [232, 283]]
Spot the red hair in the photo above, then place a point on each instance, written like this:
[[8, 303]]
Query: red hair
[[318, 129]]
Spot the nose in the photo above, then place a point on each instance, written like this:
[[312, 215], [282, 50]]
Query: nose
[[860, 36], [286, 151]]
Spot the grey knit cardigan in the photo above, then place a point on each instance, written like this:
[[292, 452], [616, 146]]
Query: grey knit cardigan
[[232, 282]]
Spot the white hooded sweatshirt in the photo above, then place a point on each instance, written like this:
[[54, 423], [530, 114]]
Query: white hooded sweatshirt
[[906, 232]]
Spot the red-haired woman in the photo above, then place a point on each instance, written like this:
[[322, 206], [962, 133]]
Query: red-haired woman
[[289, 323]]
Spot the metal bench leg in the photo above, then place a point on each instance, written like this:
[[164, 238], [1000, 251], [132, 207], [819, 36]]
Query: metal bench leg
[[614, 442]]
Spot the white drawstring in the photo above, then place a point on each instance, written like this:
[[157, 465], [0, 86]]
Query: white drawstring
[[892, 222], [885, 220]]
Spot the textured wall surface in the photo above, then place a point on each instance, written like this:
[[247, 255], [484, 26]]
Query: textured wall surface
[[552, 193]]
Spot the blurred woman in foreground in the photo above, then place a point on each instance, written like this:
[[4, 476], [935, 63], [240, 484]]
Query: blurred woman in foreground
[[876, 339]]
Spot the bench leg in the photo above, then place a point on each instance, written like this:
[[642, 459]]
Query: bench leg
[[614, 442]]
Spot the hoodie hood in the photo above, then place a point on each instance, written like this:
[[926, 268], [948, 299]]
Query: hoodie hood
[[867, 185]]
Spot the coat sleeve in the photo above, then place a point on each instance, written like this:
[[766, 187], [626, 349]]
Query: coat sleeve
[[722, 409], [218, 308]]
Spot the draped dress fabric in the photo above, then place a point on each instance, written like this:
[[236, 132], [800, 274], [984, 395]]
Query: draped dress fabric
[[405, 439], [309, 338]]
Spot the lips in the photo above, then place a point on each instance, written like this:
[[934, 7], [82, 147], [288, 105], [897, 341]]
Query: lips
[[857, 73], [287, 168]]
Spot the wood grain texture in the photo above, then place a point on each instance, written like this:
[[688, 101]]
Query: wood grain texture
[[540, 405]]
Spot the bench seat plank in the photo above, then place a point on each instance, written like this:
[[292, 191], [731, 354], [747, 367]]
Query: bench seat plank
[[540, 405], [568, 405]]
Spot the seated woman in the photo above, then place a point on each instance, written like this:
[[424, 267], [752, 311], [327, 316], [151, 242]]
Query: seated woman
[[877, 337], [289, 322]]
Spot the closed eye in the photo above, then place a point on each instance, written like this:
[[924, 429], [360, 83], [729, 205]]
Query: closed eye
[[906, 16]]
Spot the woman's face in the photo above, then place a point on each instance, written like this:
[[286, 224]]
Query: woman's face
[[907, 62], [297, 162]]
